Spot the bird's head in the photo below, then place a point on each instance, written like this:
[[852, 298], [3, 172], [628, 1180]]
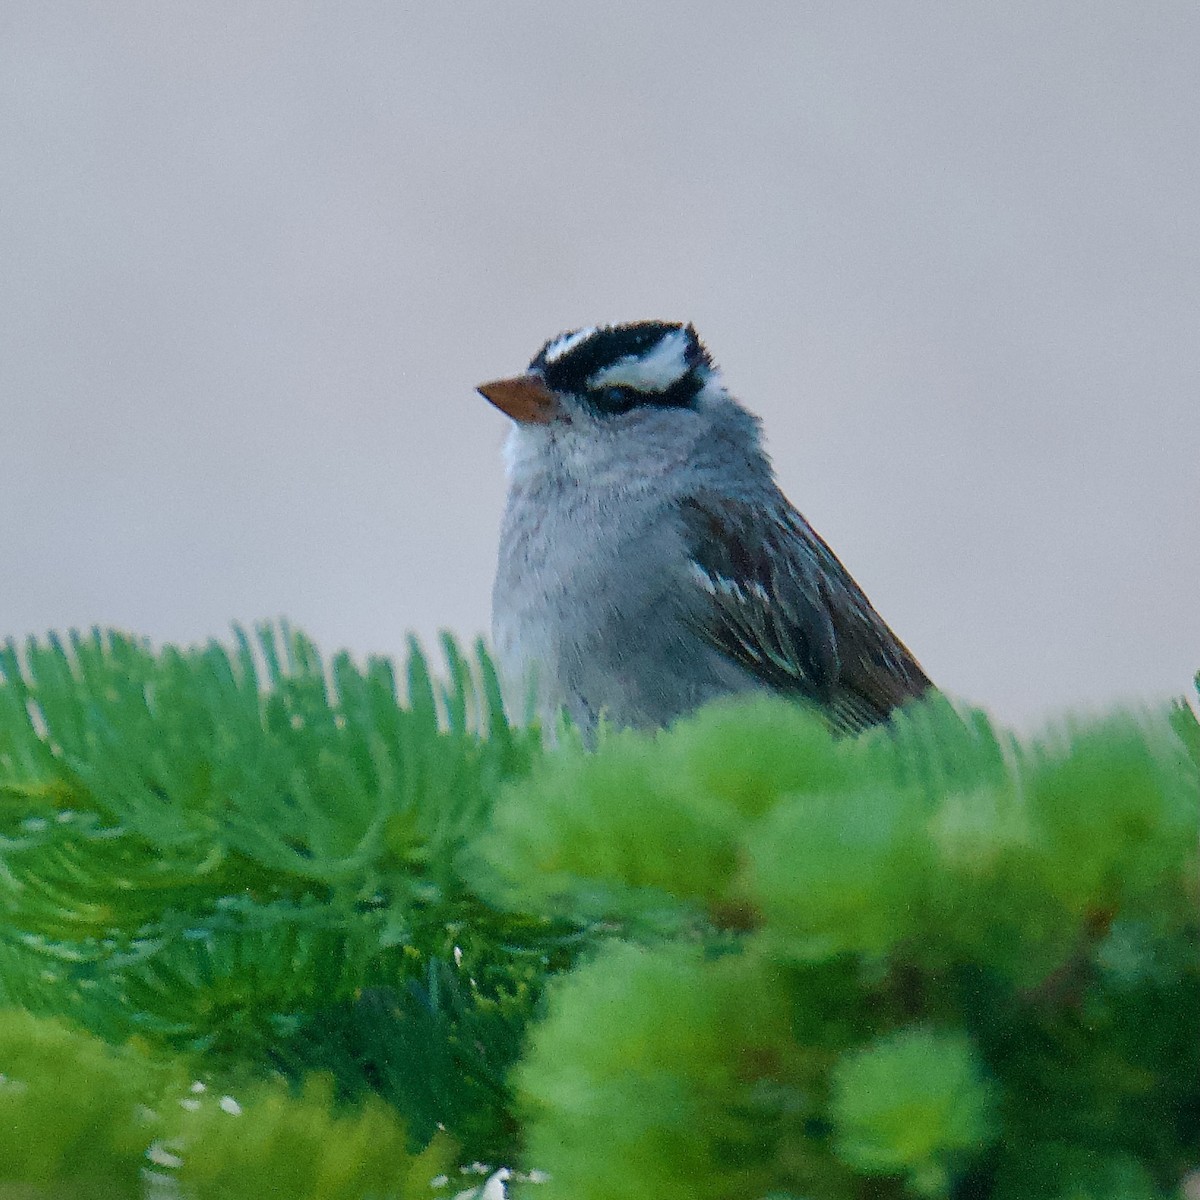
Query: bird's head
[[604, 373], [624, 405]]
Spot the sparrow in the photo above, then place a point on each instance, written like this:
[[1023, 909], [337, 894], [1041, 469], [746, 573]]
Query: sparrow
[[649, 562]]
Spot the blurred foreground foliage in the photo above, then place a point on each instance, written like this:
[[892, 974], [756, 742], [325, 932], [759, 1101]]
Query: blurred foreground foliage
[[275, 925]]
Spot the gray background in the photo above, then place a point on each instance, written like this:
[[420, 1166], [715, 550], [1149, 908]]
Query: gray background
[[255, 255]]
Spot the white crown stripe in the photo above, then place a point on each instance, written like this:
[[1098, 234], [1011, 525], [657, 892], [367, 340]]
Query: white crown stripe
[[567, 342], [658, 370]]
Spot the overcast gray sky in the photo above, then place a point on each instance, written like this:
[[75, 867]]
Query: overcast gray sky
[[255, 255]]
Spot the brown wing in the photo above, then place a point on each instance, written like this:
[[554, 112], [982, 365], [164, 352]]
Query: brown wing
[[785, 608]]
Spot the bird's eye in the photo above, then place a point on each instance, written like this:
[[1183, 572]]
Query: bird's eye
[[617, 399]]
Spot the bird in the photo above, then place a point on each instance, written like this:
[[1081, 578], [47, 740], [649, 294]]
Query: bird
[[648, 560]]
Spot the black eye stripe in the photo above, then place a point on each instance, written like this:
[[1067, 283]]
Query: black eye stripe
[[622, 399]]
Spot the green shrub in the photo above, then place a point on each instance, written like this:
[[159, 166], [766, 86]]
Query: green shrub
[[272, 918], [985, 949]]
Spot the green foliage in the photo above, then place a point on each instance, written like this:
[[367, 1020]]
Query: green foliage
[[275, 924], [664, 1098], [225, 854], [647, 831], [987, 951], [80, 1118], [270, 1142], [908, 1104], [75, 1114]]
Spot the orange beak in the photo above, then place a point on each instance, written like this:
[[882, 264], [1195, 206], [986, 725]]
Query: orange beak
[[525, 398]]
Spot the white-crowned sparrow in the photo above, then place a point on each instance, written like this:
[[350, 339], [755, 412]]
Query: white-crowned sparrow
[[648, 560]]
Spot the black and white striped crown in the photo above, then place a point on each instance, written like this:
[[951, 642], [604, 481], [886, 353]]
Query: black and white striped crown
[[618, 367]]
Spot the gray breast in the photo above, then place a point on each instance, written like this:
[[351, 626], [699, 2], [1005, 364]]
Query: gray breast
[[593, 594]]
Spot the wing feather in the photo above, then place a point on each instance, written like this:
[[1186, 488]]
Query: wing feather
[[782, 605]]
